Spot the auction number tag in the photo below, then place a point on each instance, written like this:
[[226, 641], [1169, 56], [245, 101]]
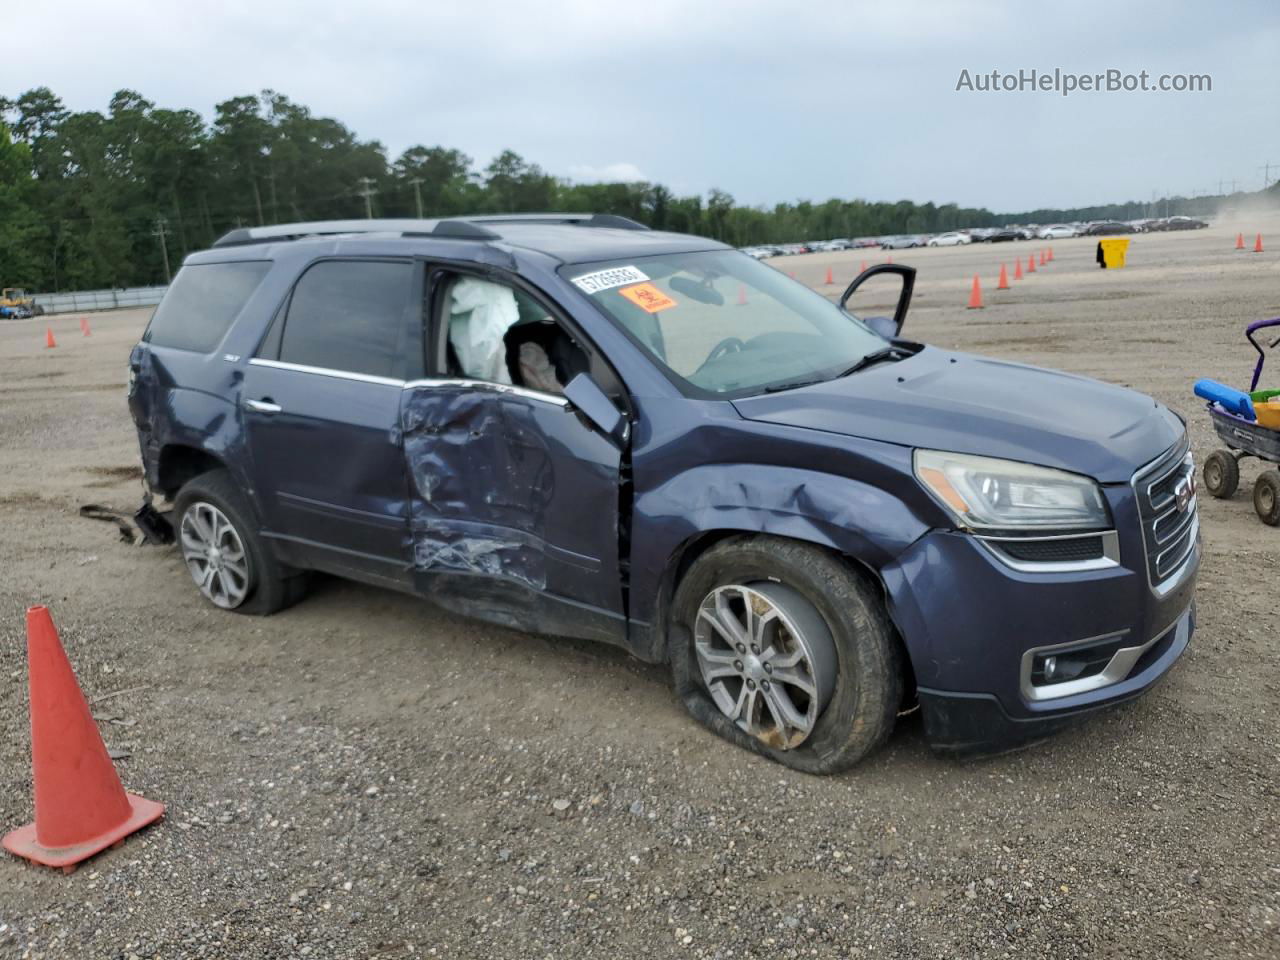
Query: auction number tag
[[608, 279], [648, 297]]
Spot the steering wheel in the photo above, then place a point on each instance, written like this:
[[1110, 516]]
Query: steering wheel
[[727, 345]]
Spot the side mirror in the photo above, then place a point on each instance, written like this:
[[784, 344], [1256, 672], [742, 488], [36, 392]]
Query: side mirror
[[884, 326], [586, 397]]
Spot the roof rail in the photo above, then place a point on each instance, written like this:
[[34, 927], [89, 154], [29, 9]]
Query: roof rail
[[578, 219], [461, 228]]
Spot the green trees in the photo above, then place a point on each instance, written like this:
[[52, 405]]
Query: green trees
[[86, 197], [20, 229]]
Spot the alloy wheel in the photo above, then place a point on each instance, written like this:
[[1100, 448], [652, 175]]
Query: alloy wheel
[[215, 555], [767, 658]]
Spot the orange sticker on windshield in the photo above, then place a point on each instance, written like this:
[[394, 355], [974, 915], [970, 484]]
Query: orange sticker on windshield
[[648, 297]]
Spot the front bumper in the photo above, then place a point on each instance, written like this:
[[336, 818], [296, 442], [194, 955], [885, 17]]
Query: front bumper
[[977, 723], [971, 624]]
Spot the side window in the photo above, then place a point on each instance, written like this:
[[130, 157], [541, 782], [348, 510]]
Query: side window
[[499, 334], [200, 304], [351, 315]]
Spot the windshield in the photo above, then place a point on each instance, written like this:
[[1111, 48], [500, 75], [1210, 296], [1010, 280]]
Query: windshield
[[722, 323]]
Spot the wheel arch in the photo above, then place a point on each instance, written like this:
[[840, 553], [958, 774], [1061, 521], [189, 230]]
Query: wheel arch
[[179, 463], [696, 545]]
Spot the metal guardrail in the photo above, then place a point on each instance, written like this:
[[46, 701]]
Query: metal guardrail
[[86, 300]]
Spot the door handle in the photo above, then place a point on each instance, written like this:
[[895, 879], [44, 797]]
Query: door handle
[[263, 406]]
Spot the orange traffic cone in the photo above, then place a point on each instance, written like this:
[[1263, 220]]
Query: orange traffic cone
[[1051, 254], [1031, 264], [1017, 269], [49, 342], [889, 258], [1239, 241], [84, 326], [830, 278], [975, 297], [1004, 279], [863, 267], [742, 295], [1257, 244], [80, 806], [1043, 261]]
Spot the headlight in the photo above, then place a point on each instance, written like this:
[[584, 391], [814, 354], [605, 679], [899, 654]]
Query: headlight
[[982, 492]]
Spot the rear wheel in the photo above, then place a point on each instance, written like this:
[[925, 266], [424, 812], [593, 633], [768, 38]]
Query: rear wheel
[[228, 561], [1266, 498], [782, 649], [1221, 474]]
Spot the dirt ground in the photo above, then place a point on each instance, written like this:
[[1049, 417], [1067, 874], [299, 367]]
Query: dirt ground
[[364, 775]]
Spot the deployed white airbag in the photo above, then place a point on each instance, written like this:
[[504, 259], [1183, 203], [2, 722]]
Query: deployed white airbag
[[479, 317]]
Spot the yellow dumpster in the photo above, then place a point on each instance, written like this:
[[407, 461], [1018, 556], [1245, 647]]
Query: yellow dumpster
[[1111, 251]]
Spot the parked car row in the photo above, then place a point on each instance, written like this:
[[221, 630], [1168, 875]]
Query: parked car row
[[954, 238]]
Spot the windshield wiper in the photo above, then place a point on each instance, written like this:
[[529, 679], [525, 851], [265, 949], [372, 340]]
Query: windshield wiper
[[792, 385], [876, 356]]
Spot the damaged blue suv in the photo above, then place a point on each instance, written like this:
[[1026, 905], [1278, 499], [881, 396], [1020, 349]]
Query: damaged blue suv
[[574, 425]]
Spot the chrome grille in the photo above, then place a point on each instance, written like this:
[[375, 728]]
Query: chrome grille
[[1168, 531]]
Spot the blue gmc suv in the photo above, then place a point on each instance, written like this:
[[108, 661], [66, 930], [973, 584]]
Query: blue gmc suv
[[575, 425]]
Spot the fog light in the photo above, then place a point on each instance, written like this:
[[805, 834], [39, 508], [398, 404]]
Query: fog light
[[1050, 667]]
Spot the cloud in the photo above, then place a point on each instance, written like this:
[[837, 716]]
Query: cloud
[[767, 101], [621, 172]]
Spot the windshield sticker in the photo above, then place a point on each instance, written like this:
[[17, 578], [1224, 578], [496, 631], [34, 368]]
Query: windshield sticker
[[648, 298], [608, 279]]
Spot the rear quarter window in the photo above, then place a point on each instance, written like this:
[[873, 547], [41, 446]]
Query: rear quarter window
[[201, 303]]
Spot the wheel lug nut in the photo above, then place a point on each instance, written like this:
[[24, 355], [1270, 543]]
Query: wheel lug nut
[[742, 648], [755, 649], [768, 668], [751, 684], [764, 684], [737, 665]]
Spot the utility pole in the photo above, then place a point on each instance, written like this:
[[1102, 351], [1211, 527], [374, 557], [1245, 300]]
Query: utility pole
[[160, 231], [417, 193], [1266, 173], [367, 193], [275, 214]]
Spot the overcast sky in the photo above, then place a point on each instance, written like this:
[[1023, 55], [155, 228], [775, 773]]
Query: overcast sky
[[769, 101]]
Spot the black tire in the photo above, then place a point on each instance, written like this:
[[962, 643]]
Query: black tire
[[864, 702], [272, 587], [1266, 498], [1221, 474]]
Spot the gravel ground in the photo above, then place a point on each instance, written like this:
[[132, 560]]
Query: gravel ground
[[366, 776]]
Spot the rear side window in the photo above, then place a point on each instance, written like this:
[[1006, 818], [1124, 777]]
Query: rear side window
[[350, 315], [200, 304]]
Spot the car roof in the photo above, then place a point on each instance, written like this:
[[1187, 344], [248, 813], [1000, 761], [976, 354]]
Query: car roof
[[569, 238]]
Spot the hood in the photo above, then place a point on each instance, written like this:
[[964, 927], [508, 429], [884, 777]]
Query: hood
[[968, 404]]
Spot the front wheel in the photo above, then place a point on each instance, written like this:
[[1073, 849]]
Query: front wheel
[[781, 648], [230, 564]]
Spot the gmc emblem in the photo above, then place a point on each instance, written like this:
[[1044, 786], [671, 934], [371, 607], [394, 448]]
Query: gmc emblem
[[1184, 492]]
